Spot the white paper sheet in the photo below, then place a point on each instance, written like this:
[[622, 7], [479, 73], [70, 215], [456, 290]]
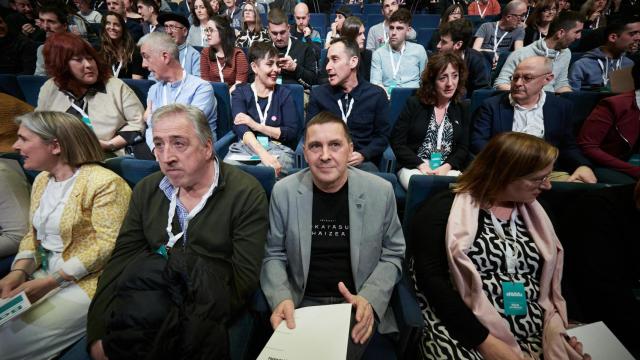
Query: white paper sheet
[[599, 342], [321, 333]]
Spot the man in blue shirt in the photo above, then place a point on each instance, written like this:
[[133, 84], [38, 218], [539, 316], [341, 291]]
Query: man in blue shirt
[[160, 55], [362, 106], [177, 26]]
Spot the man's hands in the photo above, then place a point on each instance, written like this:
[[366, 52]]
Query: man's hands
[[355, 159], [363, 328], [287, 63], [284, 311], [97, 351], [583, 174]]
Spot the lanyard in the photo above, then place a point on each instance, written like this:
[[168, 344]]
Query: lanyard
[[345, 117], [605, 69], [546, 50], [495, 37], [480, 11], [115, 70], [79, 109], [288, 48], [172, 212], [441, 127], [151, 28], [396, 67], [597, 22], [511, 257], [184, 57], [164, 89], [263, 116], [203, 35], [220, 67], [385, 34]]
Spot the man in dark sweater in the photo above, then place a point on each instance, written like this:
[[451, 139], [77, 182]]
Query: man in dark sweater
[[297, 60], [197, 209]]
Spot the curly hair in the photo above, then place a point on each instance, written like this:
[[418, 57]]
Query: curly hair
[[123, 48], [436, 65], [59, 49]]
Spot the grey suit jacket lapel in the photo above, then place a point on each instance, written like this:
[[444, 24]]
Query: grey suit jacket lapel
[[356, 223], [304, 207]]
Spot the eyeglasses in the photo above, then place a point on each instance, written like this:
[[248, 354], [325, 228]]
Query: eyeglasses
[[526, 78], [174, 27], [539, 181], [210, 30], [552, 10], [519, 16]]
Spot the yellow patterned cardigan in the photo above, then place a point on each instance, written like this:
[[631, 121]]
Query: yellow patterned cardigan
[[90, 222]]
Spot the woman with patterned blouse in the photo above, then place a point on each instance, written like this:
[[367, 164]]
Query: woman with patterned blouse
[[252, 30], [431, 134], [488, 263], [77, 207]]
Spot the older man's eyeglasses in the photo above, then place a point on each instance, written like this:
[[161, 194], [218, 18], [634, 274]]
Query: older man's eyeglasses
[[519, 16], [526, 78], [174, 27]]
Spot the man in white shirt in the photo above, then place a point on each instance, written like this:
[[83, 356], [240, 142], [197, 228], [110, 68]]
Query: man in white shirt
[[379, 34]]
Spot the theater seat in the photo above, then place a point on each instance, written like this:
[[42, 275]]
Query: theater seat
[[9, 85], [30, 86], [140, 87]]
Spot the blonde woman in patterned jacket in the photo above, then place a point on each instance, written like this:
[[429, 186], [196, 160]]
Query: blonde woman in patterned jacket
[[77, 207]]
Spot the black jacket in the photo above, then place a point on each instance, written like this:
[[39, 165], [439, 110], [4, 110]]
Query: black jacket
[[306, 72], [479, 76], [17, 55], [411, 128]]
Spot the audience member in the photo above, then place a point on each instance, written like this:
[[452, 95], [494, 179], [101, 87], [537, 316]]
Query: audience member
[[593, 70], [378, 34], [197, 195], [399, 63], [23, 20], [132, 11], [503, 35], [77, 207], [538, 23], [528, 109], [149, 11], [484, 8], [297, 61], [336, 26], [216, 5], [132, 25], [456, 36], [564, 5], [86, 12], [453, 12], [349, 241], [177, 27], [594, 13], [14, 211], [221, 61], [233, 14], [10, 107], [563, 31], [609, 136], [488, 262], [252, 30], [82, 85], [303, 30], [53, 19], [439, 145], [362, 106], [265, 117], [119, 49], [201, 13], [353, 29], [17, 52]]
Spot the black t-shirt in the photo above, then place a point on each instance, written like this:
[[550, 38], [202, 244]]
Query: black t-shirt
[[330, 260]]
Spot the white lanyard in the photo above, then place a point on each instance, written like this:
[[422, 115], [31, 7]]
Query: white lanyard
[[172, 212], [385, 34], [203, 35], [184, 58], [511, 256], [188, 8], [605, 69], [441, 127], [345, 117], [263, 116], [482, 12], [220, 67], [396, 67], [79, 109], [546, 51], [151, 28], [495, 37], [115, 70], [288, 48], [597, 22], [164, 88]]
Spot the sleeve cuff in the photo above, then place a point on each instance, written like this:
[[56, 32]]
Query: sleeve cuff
[[28, 254], [75, 268]]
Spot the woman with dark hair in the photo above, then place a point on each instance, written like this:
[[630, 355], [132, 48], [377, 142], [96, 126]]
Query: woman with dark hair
[[201, 12], [131, 11], [431, 135], [453, 12], [82, 84], [488, 263], [221, 61], [353, 28], [119, 50], [594, 12], [252, 30], [265, 119], [538, 22], [77, 208]]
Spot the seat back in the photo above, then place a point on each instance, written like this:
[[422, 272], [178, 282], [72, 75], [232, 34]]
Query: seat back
[[318, 21], [266, 176], [140, 87], [132, 170], [30, 86], [297, 91], [479, 96], [9, 85], [424, 35], [425, 21], [223, 99], [583, 103], [372, 9], [399, 97]]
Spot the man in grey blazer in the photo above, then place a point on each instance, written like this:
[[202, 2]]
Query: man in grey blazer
[[334, 237]]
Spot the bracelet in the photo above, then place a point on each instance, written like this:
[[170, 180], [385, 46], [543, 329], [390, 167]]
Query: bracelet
[[112, 147], [26, 274]]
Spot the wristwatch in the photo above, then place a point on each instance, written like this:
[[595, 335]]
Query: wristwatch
[[59, 279]]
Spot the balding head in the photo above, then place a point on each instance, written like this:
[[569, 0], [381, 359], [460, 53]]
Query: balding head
[[301, 15], [529, 77], [513, 15], [301, 9]]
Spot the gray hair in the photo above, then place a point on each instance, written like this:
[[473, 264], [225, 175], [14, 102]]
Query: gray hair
[[192, 114], [512, 6], [160, 42]]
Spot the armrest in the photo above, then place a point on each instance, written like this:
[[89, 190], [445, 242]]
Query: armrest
[[222, 145], [405, 306], [388, 161], [300, 162]]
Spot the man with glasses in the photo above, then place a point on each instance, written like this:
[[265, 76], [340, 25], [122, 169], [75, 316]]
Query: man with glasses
[[563, 31], [177, 27], [503, 35], [527, 108]]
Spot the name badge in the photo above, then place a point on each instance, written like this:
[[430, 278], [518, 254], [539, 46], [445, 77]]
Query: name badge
[[162, 251], [264, 141], [279, 80], [392, 85], [87, 121], [635, 160], [435, 161], [515, 300]]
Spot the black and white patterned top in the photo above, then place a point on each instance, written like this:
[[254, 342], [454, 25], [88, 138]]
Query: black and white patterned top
[[431, 139]]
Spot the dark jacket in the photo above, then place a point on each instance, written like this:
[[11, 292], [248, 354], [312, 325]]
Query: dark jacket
[[411, 128], [610, 134], [17, 55], [479, 76], [230, 231], [282, 113], [306, 72], [495, 116]]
